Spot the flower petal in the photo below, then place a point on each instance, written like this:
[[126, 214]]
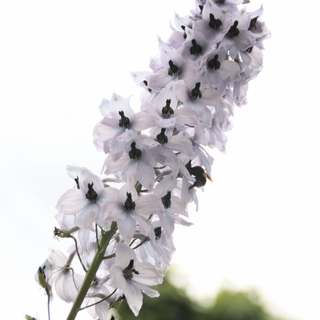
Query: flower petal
[[134, 297], [127, 227], [72, 202]]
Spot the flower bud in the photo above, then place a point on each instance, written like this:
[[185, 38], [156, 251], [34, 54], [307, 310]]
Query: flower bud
[[61, 233], [42, 280]]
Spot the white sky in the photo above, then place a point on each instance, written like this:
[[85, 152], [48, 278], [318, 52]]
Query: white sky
[[258, 222]]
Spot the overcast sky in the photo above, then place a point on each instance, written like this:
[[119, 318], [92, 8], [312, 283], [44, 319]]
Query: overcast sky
[[257, 225]]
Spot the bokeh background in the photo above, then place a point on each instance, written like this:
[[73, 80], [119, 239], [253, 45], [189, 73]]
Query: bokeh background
[[257, 225]]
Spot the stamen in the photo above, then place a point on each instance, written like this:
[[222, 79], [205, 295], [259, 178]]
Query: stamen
[[253, 23], [233, 31], [166, 200], [184, 33], [215, 24], [77, 182], [124, 122], [129, 270], [161, 137], [249, 50], [129, 204], [91, 195], [195, 49], [195, 92], [146, 83], [134, 153], [173, 69], [167, 111], [214, 63], [157, 233]]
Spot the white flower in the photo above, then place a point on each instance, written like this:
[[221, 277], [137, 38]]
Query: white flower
[[64, 279], [129, 211], [84, 202], [117, 129], [214, 24], [158, 251], [195, 95], [136, 164], [172, 67], [133, 277], [166, 111]]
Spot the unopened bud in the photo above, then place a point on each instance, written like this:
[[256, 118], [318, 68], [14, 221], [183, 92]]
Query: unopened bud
[[42, 277], [61, 233], [42, 280]]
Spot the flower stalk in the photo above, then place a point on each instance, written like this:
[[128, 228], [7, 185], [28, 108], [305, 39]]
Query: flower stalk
[[98, 258]]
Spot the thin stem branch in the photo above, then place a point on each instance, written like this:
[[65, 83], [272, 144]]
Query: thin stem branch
[[97, 238], [48, 294], [109, 256], [93, 304], [141, 243], [78, 254], [73, 279]]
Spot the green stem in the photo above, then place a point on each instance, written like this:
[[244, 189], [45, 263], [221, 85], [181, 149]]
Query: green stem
[[98, 258], [48, 305]]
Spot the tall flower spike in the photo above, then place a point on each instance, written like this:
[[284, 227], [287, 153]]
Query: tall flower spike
[[123, 235]]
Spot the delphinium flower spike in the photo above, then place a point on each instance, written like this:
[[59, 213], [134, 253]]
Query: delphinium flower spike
[[122, 224]]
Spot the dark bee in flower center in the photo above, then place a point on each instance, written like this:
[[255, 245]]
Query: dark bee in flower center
[[199, 174]]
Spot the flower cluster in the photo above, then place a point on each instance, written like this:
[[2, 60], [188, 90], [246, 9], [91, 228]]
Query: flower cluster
[[122, 225]]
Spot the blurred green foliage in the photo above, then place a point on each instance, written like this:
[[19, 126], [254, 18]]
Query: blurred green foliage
[[174, 304]]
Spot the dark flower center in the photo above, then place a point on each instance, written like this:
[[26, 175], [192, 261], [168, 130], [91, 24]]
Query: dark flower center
[[214, 63], [249, 50], [124, 122], [167, 111], [253, 23], [129, 204], [77, 182], [157, 233], [91, 195], [173, 69], [146, 83], [195, 92], [166, 200], [184, 32], [215, 24], [161, 137], [129, 270], [220, 1], [233, 31], [134, 153], [195, 49]]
